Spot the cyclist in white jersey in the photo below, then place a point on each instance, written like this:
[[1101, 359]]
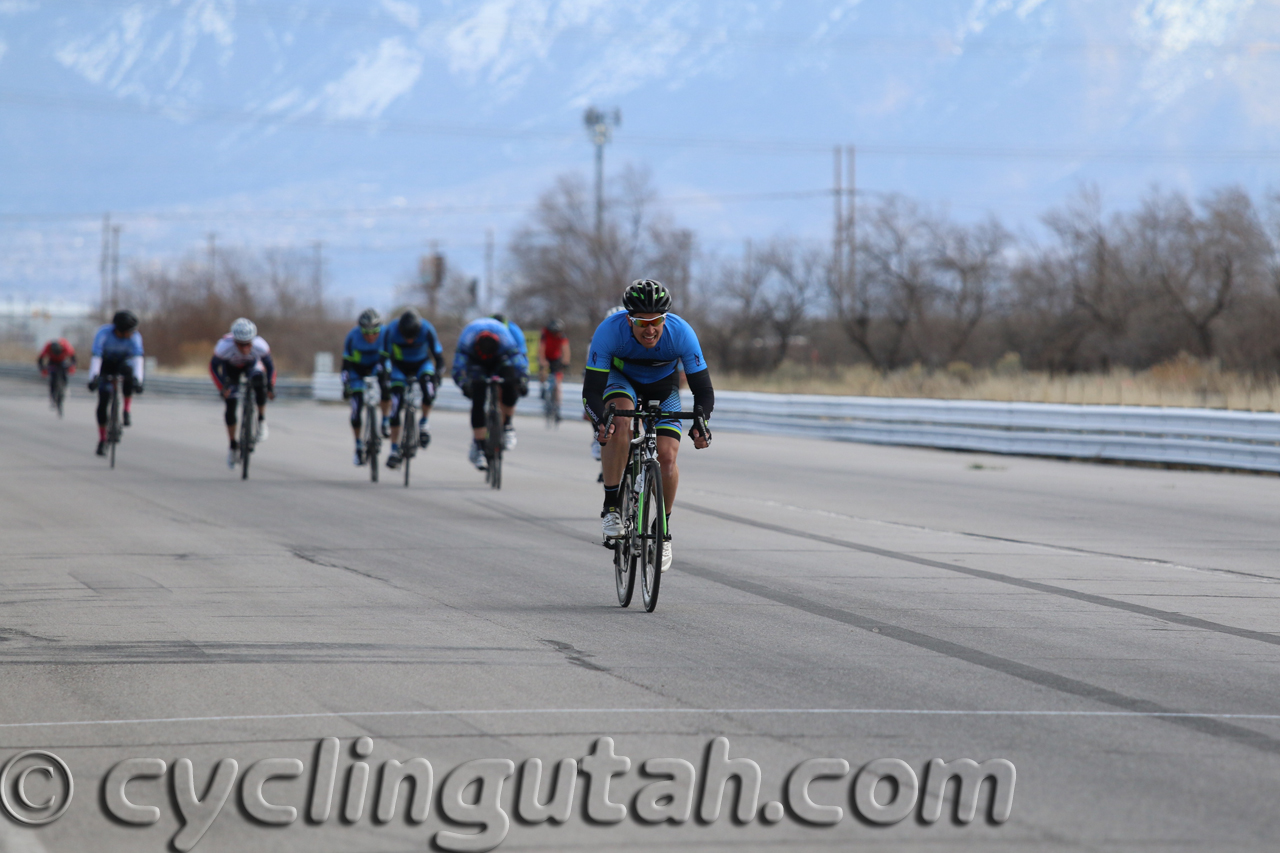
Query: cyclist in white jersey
[[242, 352]]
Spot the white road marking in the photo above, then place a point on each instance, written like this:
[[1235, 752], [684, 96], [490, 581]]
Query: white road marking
[[462, 712]]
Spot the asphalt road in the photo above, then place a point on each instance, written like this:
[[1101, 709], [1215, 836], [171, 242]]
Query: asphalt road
[[1112, 632]]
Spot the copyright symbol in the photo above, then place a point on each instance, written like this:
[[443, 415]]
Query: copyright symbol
[[36, 787]]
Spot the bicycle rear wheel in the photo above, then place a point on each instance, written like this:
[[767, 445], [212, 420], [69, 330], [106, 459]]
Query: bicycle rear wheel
[[372, 440], [246, 430], [624, 574], [59, 390], [493, 437], [652, 527]]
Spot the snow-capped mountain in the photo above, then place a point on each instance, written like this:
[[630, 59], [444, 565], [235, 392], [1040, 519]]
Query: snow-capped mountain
[[377, 127]]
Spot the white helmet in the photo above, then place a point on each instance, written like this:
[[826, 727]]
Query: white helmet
[[243, 330], [617, 309]]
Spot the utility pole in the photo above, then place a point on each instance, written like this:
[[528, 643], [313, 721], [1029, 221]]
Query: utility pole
[[104, 266], [115, 268], [317, 278], [600, 128], [213, 259], [482, 301], [852, 220], [837, 234]]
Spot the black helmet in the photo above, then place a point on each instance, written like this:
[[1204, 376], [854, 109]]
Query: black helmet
[[486, 345], [410, 323], [646, 296], [55, 348], [124, 321], [370, 320], [556, 326], [500, 317]]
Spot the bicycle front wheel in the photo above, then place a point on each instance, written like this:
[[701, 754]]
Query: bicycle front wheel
[[59, 391], [113, 430], [246, 431], [652, 523], [409, 439], [624, 574]]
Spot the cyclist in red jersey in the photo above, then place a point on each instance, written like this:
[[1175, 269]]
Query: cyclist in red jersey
[[553, 353], [58, 356]]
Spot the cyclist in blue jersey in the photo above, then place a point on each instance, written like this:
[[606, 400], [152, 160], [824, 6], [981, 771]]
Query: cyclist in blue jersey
[[487, 348], [361, 358], [412, 349], [633, 358], [117, 351]]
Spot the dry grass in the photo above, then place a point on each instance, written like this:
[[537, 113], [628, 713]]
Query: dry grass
[[1182, 381]]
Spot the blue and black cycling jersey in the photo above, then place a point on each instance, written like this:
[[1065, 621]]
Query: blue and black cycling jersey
[[617, 359], [467, 365], [360, 355], [425, 345]]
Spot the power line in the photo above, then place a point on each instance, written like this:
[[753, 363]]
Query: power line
[[719, 144], [389, 210]]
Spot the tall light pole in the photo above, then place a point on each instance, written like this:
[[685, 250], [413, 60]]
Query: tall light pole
[[600, 127], [106, 266], [115, 268]]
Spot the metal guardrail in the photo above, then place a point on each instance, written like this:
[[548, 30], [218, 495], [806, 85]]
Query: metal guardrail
[[163, 383], [1209, 437]]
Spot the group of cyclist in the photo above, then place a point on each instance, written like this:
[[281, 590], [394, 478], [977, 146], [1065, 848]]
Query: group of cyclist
[[636, 355]]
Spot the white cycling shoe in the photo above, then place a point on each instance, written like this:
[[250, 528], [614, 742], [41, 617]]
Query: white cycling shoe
[[611, 525], [263, 432], [477, 458], [232, 457], [666, 555], [509, 438]]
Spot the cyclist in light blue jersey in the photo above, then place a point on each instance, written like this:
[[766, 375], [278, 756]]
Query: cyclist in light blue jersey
[[412, 349], [487, 348], [633, 359], [361, 358], [117, 351]]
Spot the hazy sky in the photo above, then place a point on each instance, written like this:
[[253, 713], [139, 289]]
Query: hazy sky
[[379, 127]]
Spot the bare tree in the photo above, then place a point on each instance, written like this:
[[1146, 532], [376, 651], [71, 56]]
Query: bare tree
[[970, 273], [560, 268], [185, 312]]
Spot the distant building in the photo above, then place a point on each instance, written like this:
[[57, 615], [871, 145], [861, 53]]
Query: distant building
[[31, 323]]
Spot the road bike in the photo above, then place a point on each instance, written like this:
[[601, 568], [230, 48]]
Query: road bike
[[58, 386], [409, 436], [372, 419], [494, 429], [114, 430], [248, 423], [644, 518], [550, 405]]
